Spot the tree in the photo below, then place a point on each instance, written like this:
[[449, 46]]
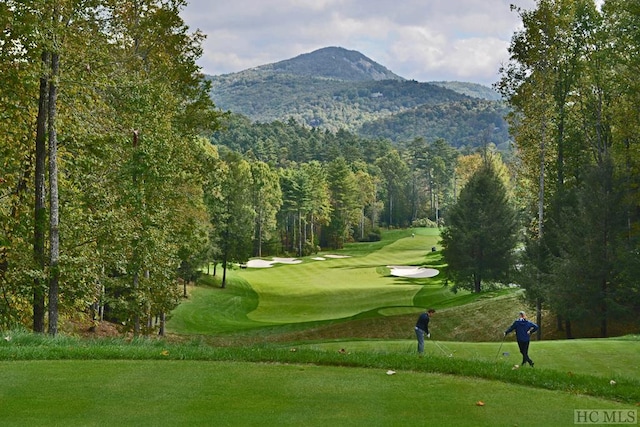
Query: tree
[[267, 199], [588, 285], [481, 234], [344, 206], [395, 174], [297, 194], [320, 208], [366, 200], [542, 82], [234, 222], [93, 94]]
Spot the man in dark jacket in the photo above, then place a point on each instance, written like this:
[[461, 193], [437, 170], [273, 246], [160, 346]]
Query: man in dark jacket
[[422, 328], [524, 329]]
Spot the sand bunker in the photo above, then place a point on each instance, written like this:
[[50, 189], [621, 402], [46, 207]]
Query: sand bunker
[[412, 272], [263, 263], [324, 258]]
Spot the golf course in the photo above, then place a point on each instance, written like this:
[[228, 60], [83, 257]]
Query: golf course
[[325, 340]]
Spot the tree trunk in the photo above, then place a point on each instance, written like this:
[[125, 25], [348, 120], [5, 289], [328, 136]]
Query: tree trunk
[[54, 220], [603, 312], [311, 232], [540, 225], [225, 255], [40, 208], [299, 233], [260, 235], [539, 318], [136, 315], [163, 321], [224, 273]]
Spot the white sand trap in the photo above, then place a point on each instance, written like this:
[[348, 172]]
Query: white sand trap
[[287, 260], [259, 263], [337, 256], [319, 258], [412, 272], [262, 263]]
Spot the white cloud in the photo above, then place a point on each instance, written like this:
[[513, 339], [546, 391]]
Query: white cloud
[[422, 40]]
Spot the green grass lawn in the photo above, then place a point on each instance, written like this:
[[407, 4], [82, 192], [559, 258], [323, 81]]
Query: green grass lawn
[[611, 359], [191, 393], [311, 344], [319, 291]]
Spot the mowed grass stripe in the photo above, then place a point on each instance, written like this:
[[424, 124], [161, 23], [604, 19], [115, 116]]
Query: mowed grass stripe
[[335, 288], [163, 393]]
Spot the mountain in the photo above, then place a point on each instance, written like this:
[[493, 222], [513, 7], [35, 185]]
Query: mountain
[[334, 88], [332, 63]]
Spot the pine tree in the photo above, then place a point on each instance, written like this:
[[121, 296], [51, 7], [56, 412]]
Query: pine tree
[[479, 241]]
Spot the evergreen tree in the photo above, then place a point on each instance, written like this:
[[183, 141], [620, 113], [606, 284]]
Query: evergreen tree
[[588, 284], [344, 203], [481, 233]]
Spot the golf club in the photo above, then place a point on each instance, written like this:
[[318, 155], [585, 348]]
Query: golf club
[[448, 354], [500, 348]]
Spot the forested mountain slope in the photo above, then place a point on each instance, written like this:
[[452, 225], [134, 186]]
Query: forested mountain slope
[[334, 88]]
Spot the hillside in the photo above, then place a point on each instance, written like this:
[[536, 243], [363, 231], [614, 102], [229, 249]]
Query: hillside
[[335, 88], [463, 124]]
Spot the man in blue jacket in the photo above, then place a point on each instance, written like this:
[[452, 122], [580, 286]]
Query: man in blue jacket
[[422, 329], [524, 329]]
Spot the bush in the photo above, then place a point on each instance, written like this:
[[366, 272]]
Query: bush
[[373, 236], [424, 222]]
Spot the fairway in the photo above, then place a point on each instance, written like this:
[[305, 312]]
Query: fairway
[[337, 288], [171, 393], [316, 291], [244, 356]]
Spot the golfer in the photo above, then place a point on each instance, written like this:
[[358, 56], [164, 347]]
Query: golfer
[[524, 329], [422, 328]]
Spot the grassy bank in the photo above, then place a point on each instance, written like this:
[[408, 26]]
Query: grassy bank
[[24, 346]]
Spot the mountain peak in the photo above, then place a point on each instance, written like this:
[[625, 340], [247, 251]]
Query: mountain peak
[[333, 63]]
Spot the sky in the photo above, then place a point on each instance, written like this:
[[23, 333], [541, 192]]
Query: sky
[[422, 40]]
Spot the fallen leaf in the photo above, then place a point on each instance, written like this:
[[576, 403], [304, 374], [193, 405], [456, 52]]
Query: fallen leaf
[[479, 403]]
